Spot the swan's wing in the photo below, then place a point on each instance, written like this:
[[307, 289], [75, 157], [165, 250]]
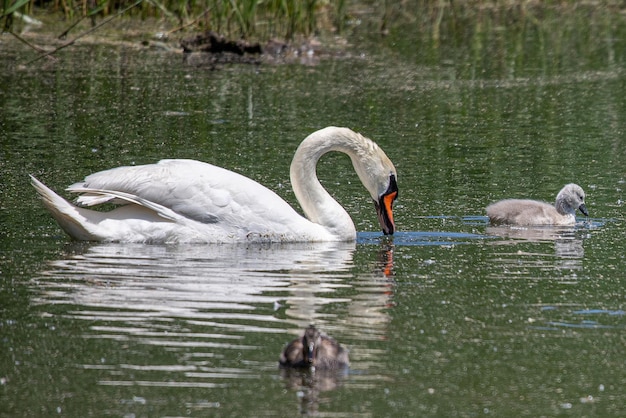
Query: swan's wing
[[102, 196], [193, 189]]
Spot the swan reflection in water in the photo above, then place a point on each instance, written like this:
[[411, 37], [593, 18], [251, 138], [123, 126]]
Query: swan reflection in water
[[568, 241], [225, 310], [366, 321]]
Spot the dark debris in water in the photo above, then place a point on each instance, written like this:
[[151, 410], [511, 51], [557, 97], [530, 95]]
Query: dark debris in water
[[213, 48], [215, 43]]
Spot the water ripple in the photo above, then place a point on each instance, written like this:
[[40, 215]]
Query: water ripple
[[418, 238], [215, 313]]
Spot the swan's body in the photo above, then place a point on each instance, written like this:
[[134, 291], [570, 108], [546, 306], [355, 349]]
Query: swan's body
[[532, 212], [314, 349], [192, 201]]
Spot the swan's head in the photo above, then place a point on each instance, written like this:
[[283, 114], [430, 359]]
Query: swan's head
[[570, 198], [379, 177], [384, 205]]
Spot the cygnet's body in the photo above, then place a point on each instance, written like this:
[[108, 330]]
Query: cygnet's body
[[532, 212], [314, 349]]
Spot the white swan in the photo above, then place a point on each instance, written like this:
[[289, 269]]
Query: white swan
[[192, 201], [532, 212]]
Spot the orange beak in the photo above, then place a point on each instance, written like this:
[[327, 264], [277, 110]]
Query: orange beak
[[384, 207]]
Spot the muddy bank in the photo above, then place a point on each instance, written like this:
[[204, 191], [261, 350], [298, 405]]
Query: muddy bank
[[211, 48], [200, 49]]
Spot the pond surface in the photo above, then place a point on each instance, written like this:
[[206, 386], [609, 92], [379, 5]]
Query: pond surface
[[449, 317]]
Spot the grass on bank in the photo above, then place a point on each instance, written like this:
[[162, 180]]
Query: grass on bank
[[246, 19], [261, 20]]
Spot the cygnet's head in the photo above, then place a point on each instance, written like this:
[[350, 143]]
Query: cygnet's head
[[570, 198]]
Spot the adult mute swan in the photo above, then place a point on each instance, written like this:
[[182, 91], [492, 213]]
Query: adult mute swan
[[192, 201], [532, 212], [314, 349]]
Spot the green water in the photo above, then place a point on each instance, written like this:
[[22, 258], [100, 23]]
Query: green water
[[450, 317]]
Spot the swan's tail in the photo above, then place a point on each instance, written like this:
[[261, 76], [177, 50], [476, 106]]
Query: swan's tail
[[67, 215]]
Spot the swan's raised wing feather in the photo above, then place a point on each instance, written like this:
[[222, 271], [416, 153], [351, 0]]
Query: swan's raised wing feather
[[116, 196]]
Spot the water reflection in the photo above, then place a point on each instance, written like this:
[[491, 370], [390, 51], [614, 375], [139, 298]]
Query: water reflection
[[190, 278], [309, 386], [567, 241], [219, 310]]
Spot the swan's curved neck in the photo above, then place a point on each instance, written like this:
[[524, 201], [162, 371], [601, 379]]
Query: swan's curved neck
[[318, 205]]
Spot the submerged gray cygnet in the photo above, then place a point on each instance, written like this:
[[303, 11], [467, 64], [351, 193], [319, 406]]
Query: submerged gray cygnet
[[533, 212]]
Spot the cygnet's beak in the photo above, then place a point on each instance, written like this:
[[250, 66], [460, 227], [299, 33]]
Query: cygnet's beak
[[583, 209]]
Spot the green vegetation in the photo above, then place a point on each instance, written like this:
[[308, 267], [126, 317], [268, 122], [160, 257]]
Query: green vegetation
[[236, 18], [289, 19]]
